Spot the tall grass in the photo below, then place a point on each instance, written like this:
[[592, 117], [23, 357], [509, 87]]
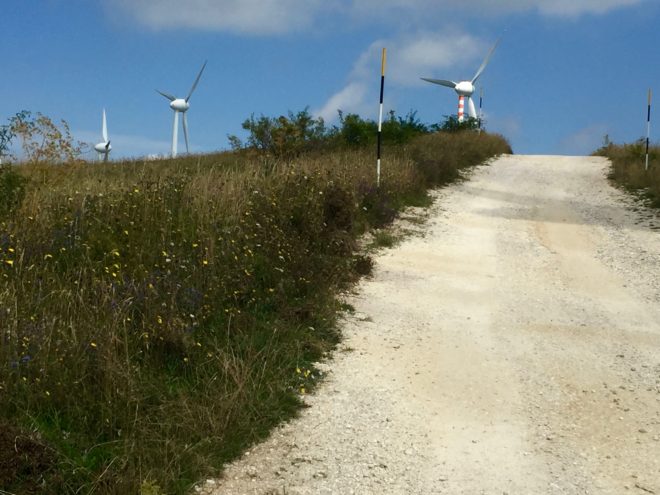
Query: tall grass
[[629, 168], [159, 317]]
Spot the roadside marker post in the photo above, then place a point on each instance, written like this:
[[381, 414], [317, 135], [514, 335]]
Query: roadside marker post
[[481, 102], [380, 116], [648, 130]]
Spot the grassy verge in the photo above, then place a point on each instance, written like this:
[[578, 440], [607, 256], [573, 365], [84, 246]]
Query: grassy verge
[[159, 317], [628, 169]]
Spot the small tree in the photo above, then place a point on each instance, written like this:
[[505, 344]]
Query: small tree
[[42, 140], [452, 124]]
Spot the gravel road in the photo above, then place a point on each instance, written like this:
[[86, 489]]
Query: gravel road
[[513, 347]]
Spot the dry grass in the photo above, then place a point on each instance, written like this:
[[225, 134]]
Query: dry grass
[[159, 317], [629, 170]]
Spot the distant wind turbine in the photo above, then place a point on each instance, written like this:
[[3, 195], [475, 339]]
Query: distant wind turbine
[[103, 148], [181, 105], [465, 89]]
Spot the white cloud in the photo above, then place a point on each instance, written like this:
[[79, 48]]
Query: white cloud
[[452, 55], [419, 9], [584, 141], [351, 99], [272, 17], [238, 16]]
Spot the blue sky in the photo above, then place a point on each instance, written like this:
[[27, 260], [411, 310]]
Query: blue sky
[[566, 72]]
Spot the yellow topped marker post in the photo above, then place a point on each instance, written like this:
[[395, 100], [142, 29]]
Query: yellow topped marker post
[[380, 116]]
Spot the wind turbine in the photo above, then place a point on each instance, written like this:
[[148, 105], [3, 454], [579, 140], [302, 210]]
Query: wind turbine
[[181, 105], [465, 89], [103, 149]]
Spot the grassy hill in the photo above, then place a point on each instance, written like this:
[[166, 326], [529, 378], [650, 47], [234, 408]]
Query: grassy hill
[[159, 317]]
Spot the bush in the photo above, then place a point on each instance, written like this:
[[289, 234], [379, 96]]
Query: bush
[[12, 189]]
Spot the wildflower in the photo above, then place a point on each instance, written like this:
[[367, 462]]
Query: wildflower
[[185, 359], [159, 319], [11, 250], [48, 256], [194, 244], [205, 262], [9, 262], [302, 390], [93, 344], [298, 370]]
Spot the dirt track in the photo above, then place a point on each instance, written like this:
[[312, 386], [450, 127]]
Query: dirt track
[[514, 348]]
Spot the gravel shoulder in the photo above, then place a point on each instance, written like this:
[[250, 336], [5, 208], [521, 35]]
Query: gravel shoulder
[[513, 347]]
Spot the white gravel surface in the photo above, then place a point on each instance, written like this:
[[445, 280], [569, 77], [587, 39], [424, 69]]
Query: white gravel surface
[[514, 348]]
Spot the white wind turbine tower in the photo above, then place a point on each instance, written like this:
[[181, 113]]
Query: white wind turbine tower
[[103, 148], [181, 105], [465, 89]]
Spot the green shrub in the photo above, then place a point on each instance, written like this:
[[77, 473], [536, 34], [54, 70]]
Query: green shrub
[[12, 189]]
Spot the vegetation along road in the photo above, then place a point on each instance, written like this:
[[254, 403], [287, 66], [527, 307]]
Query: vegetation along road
[[513, 346]]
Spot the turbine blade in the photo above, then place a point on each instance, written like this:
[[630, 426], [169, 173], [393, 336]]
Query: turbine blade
[[107, 147], [485, 62], [185, 131], [166, 95], [104, 129], [441, 82], [196, 81], [472, 111]]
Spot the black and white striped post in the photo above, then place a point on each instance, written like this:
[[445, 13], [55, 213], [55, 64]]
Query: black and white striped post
[[481, 103], [380, 117], [648, 130]]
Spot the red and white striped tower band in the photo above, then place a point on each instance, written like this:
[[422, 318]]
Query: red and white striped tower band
[[461, 108], [648, 130], [380, 116]]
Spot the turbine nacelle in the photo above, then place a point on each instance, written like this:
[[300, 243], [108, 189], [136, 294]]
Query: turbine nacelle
[[180, 105], [103, 147], [464, 88]]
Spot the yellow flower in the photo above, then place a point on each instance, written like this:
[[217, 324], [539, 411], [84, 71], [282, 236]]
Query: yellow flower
[[9, 262], [160, 320], [11, 250], [205, 262], [93, 344], [48, 256], [298, 370]]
